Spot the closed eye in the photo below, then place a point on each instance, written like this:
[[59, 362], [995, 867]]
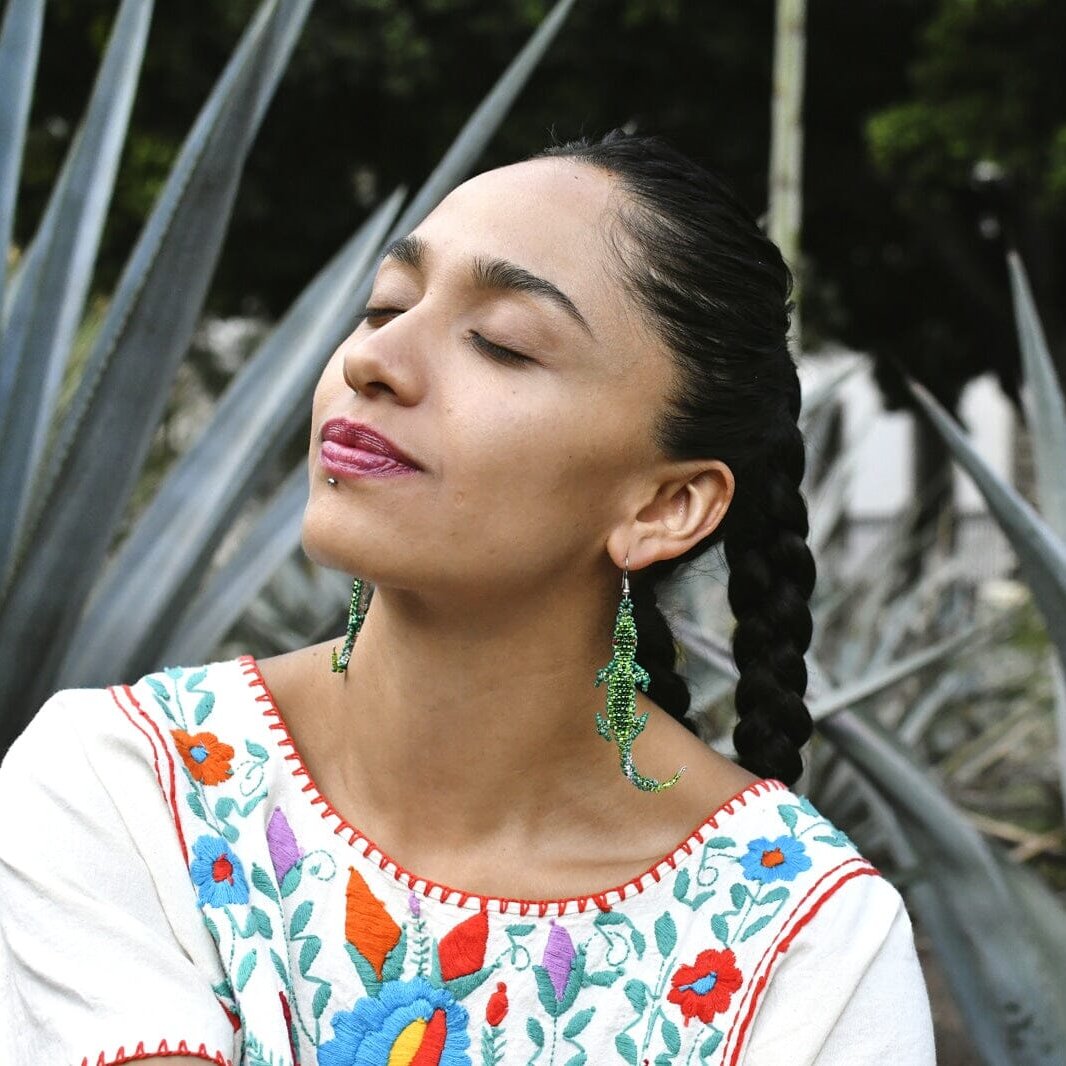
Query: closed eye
[[496, 351]]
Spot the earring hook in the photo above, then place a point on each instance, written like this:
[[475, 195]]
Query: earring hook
[[625, 577]]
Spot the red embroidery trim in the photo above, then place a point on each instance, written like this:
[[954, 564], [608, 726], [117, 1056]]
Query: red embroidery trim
[[557, 907], [139, 1053], [859, 867], [155, 756]]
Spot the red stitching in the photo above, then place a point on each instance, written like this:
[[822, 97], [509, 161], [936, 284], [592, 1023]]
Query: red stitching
[[780, 946], [250, 668], [140, 1053], [155, 757]]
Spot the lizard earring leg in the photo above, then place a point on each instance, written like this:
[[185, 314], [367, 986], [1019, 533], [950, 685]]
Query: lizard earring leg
[[356, 614], [622, 674]]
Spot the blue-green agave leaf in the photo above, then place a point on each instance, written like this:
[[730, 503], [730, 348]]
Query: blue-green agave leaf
[[214, 610], [988, 926], [1042, 397], [123, 393], [20, 46], [57, 269], [1041, 554], [162, 559]]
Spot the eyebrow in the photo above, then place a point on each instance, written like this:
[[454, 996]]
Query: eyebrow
[[491, 273]]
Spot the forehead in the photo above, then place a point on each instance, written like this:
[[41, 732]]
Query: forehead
[[553, 217]]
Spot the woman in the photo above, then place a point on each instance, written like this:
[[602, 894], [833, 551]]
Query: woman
[[571, 377]]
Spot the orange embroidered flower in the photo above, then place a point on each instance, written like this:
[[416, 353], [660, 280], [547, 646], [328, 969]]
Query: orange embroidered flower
[[705, 988], [205, 755]]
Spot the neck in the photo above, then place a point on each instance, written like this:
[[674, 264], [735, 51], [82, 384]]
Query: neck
[[464, 725]]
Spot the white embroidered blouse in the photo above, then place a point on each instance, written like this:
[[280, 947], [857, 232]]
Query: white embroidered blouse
[[172, 882]]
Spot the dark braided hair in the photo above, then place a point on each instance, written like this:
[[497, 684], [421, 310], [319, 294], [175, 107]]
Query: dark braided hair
[[716, 289]]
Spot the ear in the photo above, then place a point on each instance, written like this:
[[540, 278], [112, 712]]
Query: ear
[[687, 506]]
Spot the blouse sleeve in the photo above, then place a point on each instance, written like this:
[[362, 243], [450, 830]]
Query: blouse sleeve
[[849, 990], [104, 956]]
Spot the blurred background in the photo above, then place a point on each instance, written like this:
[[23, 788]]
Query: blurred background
[[910, 159]]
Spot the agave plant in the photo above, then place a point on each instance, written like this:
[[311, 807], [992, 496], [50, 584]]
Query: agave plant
[[77, 608], [998, 929]]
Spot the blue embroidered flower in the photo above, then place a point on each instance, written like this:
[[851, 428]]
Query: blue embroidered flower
[[775, 860], [407, 1019], [217, 873]]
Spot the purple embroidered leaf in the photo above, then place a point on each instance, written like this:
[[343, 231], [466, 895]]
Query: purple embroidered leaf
[[284, 851], [558, 958]]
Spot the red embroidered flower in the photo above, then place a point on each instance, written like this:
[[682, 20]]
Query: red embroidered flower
[[496, 1010], [205, 755], [704, 989]]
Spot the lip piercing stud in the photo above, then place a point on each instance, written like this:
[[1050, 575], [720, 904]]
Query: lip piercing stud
[[332, 480]]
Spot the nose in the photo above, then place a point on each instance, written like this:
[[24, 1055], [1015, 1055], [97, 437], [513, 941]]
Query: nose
[[384, 360]]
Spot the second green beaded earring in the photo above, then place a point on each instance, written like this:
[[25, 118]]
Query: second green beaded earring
[[356, 613], [622, 674]]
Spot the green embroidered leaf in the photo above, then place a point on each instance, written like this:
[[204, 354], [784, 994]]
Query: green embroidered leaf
[[520, 930], [577, 1060], [308, 950], [393, 966], [173, 671], [197, 808], [244, 971], [720, 928], [788, 814], [609, 918], [663, 1059], [681, 883], [321, 1000], [459, 987], [578, 1022], [205, 706], [707, 1048], [639, 943], [738, 893], [194, 679], [665, 934], [230, 832], [366, 972], [291, 880], [774, 896], [627, 1048], [211, 927], [808, 807], [838, 840], [536, 1032], [637, 994], [158, 688], [257, 751], [224, 806], [262, 922], [755, 927], [301, 916], [546, 992], [700, 899], [602, 978], [261, 880], [671, 1036], [720, 842], [283, 972]]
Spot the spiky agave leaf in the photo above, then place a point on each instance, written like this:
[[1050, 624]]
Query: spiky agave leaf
[[56, 270], [20, 47], [123, 392]]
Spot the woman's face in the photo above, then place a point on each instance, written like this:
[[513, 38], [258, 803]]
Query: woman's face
[[526, 464]]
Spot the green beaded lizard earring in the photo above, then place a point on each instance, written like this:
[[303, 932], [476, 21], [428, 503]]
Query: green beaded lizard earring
[[356, 614], [622, 674]]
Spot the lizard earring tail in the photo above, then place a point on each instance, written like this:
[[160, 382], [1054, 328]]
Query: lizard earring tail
[[356, 614], [622, 674]]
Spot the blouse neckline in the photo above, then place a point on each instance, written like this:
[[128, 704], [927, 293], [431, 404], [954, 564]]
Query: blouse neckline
[[428, 889]]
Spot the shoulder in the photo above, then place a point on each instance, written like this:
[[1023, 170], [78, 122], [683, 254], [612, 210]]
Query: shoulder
[[797, 917]]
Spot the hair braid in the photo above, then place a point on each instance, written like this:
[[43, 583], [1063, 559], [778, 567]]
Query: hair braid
[[771, 577]]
